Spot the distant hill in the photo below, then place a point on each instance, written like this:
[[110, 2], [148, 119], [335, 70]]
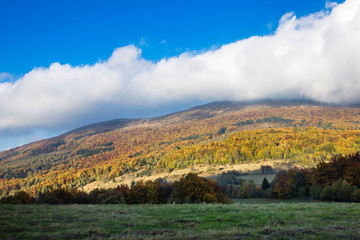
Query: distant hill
[[200, 135]]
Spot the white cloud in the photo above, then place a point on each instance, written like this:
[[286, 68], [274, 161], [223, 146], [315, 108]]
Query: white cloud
[[330, 5], [316, 57], [143, 42], [4, 76], [270, 25]]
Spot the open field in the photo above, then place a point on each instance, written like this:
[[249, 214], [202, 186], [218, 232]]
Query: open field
[[258, 178], [251, 171], [242, 220]]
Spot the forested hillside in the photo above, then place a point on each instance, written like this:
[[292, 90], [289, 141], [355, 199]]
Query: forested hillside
[[218, 133]]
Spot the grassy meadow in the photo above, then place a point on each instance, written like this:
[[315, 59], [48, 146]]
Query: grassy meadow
[[245, 219]]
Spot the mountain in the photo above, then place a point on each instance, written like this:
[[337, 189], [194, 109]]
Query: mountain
[[217, 133]]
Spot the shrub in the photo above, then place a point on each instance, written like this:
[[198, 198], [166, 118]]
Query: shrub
[[327, 194], [315, 191], [356, 196], [195, 189], [148, 192], [20, 197], [56, 196], [106, 196]]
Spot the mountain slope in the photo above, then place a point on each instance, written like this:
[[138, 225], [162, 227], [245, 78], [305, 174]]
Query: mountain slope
[[109, 149]]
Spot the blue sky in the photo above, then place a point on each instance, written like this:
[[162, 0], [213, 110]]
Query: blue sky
[[65, 64], [38, 33]]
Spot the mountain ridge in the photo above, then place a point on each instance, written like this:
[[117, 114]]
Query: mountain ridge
[[111, 148], [109, 125]]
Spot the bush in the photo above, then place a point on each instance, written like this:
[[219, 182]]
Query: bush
[[356, 196], [195, 189], [20, 197], [315, 192], [327, 194], [106, 196], [80, 197], [148, 192], [56, 196], [340, 191]]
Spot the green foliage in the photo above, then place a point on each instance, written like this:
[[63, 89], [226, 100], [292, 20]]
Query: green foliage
[[315, 192], [57, 144], [135, 155], [243, 123], [106, 196], [148, 192], [265, 184], [222, 130], [340, 191], [107, 144], [84, 135], [230, 177], [190, 189], [276, 119], [251, 190], [273, 119], [192, 137], [90, 152], [56, 196], [20, 197], [244, 190], [325, 182], [327, 193], [232, 191], [356, 195]]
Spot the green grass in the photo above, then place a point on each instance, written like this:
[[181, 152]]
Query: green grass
[[242, 220], [273, 200]]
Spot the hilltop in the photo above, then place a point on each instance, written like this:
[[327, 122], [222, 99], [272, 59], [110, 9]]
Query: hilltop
[[214, 134]]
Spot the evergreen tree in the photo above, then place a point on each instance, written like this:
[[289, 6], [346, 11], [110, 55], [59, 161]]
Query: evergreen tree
[[265, 184]]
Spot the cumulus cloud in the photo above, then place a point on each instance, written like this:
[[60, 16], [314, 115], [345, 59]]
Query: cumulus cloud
[[330, 5], [5, 77], [315, 57]]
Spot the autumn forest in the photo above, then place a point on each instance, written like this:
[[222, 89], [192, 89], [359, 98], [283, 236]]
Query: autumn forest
[[304, 133]]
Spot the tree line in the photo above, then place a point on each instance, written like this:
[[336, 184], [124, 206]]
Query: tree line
[[188, 189], [76, 163], [336, 180]]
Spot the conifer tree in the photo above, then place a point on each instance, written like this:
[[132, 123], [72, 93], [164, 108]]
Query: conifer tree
[[265, 184]]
